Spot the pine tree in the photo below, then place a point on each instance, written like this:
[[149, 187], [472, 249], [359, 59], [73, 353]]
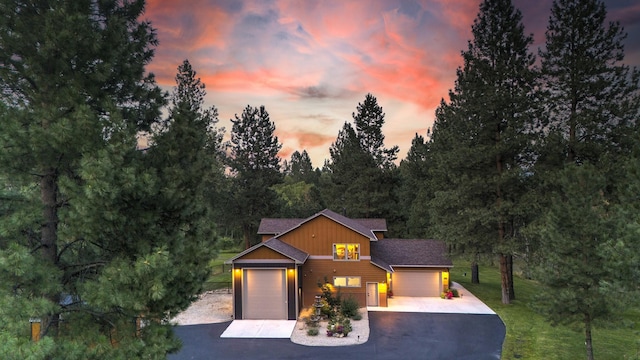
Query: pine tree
[[369, 120], [590, 98], [415, 190], [480, 141], [255, 167], [576, 268], [90, 243]]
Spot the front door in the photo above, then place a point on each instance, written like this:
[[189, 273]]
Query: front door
[[372, 294]]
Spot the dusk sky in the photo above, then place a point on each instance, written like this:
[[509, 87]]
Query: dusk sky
[[311, 62]]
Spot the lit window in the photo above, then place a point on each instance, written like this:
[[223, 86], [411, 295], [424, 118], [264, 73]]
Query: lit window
[[346, 281], [346, 251]]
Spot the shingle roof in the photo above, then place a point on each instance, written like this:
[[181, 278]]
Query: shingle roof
[[374, 224], [276, 245], [271, 226], [413, 252]]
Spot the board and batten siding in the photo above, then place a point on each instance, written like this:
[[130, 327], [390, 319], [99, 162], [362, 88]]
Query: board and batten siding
[[318, 235], [316, 270], [263, 253]]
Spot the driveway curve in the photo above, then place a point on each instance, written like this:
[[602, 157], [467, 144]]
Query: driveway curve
[[393, 335]]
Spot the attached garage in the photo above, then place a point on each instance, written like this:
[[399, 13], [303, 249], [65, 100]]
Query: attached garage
[[416, 282], [264, 294]]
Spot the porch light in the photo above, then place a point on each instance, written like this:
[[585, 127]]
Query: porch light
[[35, 329]]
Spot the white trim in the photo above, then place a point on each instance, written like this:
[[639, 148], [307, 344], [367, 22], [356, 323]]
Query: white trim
[[263, 261]]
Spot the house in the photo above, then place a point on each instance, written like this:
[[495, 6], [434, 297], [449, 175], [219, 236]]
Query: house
[[278, 277]]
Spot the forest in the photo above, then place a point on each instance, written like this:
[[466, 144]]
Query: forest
[[533, 159]]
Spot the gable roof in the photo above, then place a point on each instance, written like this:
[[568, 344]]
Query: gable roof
[[278, 246], [413, 252], [274, 226], [343, 220], [271, 226]]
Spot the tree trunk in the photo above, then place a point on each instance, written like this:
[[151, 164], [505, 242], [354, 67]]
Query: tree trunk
[[504, 279], [246, 233], [475, 275], [512, 291], [49, 239], [587, 336]]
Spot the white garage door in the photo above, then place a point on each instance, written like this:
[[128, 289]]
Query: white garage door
[[416, 282], [264, 294]]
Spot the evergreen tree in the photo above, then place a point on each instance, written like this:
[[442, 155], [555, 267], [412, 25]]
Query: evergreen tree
[[590, 99], [576, 267], [90, 240], [255, 167], [369, 120], [300, 190], [480, 141], [415, 190]]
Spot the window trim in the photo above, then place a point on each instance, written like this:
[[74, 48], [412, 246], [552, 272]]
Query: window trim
[[346, 281], [346, 255]]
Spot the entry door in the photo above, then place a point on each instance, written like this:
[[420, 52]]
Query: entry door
[[372, 294]]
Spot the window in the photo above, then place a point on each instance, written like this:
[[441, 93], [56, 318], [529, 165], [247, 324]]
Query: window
[[347, 281], [346, 251]]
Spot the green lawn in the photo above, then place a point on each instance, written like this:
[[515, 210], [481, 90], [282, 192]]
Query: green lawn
[[529, 336], [220, 277]]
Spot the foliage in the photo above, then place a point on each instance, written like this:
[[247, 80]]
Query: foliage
[[340, 326], [95, 233], [361, 176], [349, 307], [331, 303], [480, 141], [530, 336], [255, 168], [313, 331]]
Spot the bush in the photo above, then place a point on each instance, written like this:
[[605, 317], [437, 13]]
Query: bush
[[357, 316], [349, 307], [313, 331], [455, 292]]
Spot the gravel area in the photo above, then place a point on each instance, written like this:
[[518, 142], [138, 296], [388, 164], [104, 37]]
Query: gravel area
[[215, 307], [358, 335], [211, 307]]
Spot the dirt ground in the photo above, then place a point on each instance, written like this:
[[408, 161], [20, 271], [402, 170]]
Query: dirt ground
[[211, 307]]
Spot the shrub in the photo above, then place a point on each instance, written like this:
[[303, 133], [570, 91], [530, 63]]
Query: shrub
[[313, 331], [357, 316], [349, 307], [455, 292]]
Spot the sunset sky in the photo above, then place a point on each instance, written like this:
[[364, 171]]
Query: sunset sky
[[310, 62]]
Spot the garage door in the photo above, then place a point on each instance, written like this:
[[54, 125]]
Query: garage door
[[416, 283], [264, 294]]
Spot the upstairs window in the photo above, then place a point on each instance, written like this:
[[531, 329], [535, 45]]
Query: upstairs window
[[346, 252]]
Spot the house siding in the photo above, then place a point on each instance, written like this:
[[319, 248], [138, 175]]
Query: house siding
[[317, 237], [316, 270], [263, 253]]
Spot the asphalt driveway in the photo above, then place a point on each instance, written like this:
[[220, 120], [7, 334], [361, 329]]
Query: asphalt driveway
[[393, 336]]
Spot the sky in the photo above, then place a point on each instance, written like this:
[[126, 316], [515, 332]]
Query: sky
[[311, 62]]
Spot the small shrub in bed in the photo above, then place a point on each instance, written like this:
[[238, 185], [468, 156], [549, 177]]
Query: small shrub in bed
[[313, 331]]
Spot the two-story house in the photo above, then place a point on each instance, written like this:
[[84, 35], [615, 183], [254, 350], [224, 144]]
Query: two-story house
[[278, 277]]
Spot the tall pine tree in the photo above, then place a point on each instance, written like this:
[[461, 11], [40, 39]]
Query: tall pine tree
[[255, 167], [90, 243], [480, 141]]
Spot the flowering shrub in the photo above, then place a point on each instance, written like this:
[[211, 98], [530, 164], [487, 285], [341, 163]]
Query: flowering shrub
[[340, 327]]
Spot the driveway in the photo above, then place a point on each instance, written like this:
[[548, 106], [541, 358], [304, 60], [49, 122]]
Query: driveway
[[393, 335]]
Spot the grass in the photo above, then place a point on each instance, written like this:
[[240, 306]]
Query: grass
[[220, 277], [530, 336]]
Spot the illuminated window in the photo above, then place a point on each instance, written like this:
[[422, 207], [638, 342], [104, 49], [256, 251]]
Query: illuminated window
[[346, 251], [347, 281]]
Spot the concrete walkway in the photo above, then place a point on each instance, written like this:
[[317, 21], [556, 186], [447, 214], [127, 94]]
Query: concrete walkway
[[264, 329], [467, 303]]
